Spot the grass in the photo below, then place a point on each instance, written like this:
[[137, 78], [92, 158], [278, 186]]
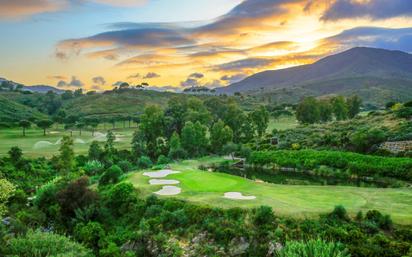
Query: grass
[[13, 137], [282, 123], [287, 200]]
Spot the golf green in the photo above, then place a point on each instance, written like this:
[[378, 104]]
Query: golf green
[[298, 201]]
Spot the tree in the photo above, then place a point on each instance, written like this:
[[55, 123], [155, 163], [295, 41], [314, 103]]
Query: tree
[[25, 124], [220, 134], [37, 243], [15, 155], [340, 108], [93, 123], [152, 126], [138, 144], [44, 124], [325, 111], [230, 149], [78, 93], [194, 139], [353, 103], [80, 125], [109, 146], [95, 151], [176, 150], [59, 117], [66, 158], [307, 111], [260, 118], [111, 176]]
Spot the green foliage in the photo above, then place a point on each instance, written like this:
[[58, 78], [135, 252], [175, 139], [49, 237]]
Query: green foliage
[[363, 141], [313, 248], [66, 159], [6, 191], [144, 162], [220, 134], [44, 124], [42, 244], [308, 111], [176, 150], [357, 164], [25, 124], [95, 151], [260, 118], [93, 168], [162, 160], [111, 176], [340, 109], [194, 139]]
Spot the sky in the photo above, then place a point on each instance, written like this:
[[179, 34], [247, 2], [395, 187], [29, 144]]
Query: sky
[[97, 44]]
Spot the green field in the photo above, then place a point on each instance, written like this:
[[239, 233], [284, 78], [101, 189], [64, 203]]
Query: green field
[[282, 123], [35, 144], [297, 201]]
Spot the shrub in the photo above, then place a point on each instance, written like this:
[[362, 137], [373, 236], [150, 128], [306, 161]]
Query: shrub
[[36, 243], [144, 162], [126, 166], [93, 168], [312, 248], [162, 160], [111, 176]]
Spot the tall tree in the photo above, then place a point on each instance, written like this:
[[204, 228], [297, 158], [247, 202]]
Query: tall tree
[[340, 108], [152, 126], [353, 103], [194, 139], [260, 118], [139, 148], [25, 124], [66, 157], [44, 124], [307, 111], [325, 111], [220, 134]]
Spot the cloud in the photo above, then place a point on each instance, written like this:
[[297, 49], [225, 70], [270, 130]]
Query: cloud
[[196, 75], [15, 9], [151, 75], [73, 83], [58, 77], [189, 82], [121, 3], [134, 76], [376, 9], [394, 39], [244, 64], [99, 80], [233, 78]]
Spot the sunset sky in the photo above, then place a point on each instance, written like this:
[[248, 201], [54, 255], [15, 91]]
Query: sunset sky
[[181, 43]]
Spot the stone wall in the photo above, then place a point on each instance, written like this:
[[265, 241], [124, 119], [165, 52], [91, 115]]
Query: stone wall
[[398, 146]]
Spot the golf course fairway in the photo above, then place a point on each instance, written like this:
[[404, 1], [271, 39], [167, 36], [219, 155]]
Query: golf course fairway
[[208, 188]]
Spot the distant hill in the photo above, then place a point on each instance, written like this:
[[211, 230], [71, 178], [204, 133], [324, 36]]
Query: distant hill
[[6, 84], [361, 70]]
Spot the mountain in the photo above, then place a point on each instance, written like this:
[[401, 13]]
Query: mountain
[[6, 84], [358, 70], [11, 111]]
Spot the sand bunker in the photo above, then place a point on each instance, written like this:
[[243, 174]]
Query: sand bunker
[[160, 173], [169, 190], [163, 182], [238, 196]]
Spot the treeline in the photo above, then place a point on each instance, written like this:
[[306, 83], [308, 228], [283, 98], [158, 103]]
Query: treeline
[[311, 110], [353, 163]]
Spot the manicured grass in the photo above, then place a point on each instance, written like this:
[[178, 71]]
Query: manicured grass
[[288, 200], [282, 123], [13, 137]]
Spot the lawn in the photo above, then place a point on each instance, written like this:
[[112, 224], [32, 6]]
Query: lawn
[[282, 123], [287, 200], [37, 145]]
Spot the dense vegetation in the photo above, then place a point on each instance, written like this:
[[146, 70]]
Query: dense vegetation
[[80, 205], [352, 164]]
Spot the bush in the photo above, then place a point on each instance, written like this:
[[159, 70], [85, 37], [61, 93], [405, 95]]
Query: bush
[[162, 160], [111, 176], [126, 166], [36, 243], [93, 168], [144, 162], [313, 248]]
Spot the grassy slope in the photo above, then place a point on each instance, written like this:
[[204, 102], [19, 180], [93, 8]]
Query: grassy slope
[[298, 201], [13, 137], [11, 111]]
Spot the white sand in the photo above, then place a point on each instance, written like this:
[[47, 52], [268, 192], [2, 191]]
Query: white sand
[[160, 173], [169, 190], [238, 196], [163, 182]]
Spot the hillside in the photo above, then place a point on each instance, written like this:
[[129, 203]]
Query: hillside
[[113, 103], [11, 111], [356, 71]]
